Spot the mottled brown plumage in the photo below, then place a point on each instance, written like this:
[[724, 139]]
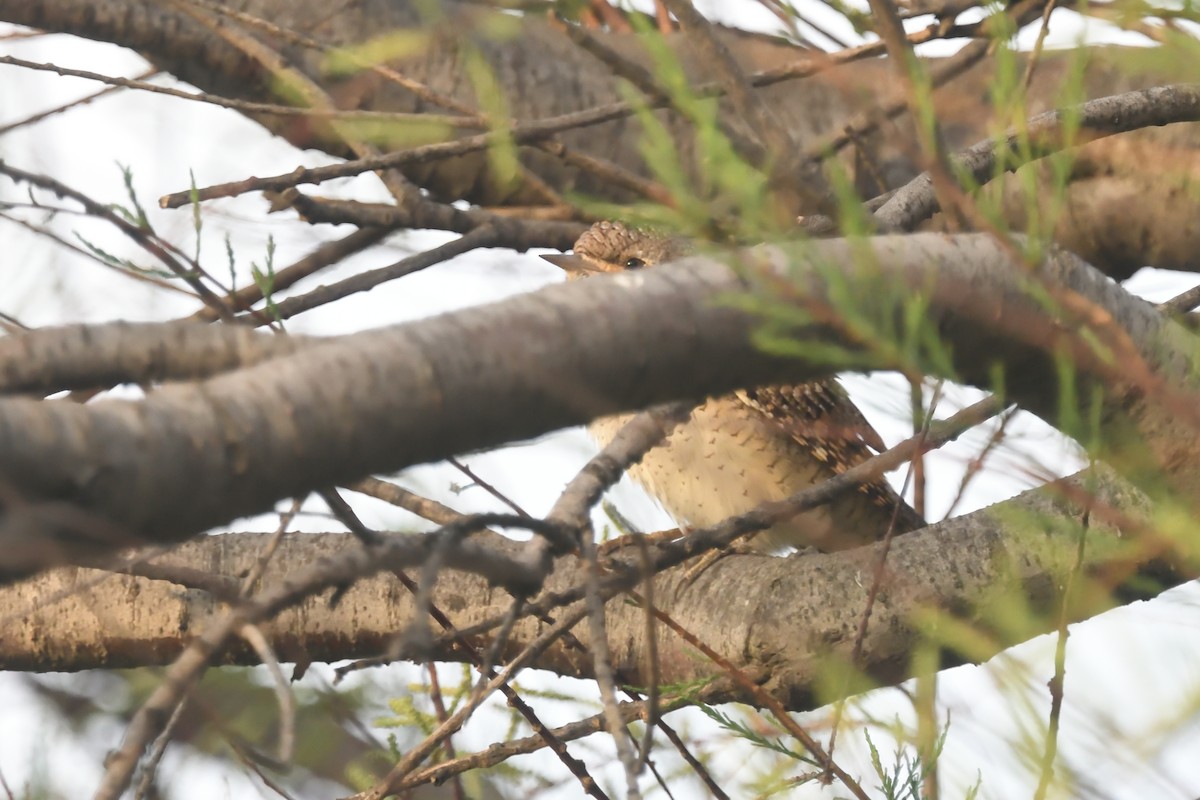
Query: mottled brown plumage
[[755, 445]]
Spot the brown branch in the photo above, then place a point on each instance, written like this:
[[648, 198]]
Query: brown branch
[[1044, 135], [751, 688], [954, 565], [433, 388], [244, 106], [800, 185], [525, 133], [190, 273], [48, 360]]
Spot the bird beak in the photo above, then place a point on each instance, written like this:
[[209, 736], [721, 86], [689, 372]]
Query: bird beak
[[572, 264]]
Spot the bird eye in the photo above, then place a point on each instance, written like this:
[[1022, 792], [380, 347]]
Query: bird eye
[[634, 263]]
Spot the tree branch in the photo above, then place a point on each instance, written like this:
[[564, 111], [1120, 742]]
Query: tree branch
[[384, 400], [955, 569]]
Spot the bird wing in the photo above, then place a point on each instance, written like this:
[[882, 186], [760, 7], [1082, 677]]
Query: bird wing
[[816, 412], [822, 418]]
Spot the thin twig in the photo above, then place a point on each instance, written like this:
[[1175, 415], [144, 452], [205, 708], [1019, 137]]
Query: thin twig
[[975, 465], [602, 663], [415, 640], [785, 720], [877, 580], [243, 106], [265, 555], [369, 279], [150, 767], [283, 692], [424, 507], [1181, 303], [324, 255], [1044, 135], [868, 121], [419, 752], [394, 552], [500, 752], [529, 132], [439, 708], [645, 431], [799, 181], [633, 440], [416, 636], [670, 554], [1035, 56], [1057, 683], [486, 486], [602, 470], [651, 634], [191, 273]]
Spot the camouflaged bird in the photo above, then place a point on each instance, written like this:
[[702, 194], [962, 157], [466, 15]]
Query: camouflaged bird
[[740, 450]]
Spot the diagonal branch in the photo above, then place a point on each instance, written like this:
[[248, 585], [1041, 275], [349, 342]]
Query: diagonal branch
[[383, 400]]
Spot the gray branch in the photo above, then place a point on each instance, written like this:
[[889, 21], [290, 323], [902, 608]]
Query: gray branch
[[191, 456]]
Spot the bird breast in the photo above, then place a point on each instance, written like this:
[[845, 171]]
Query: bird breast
[[725, 460]]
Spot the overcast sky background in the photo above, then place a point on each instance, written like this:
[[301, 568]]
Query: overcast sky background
[[1129, 724]]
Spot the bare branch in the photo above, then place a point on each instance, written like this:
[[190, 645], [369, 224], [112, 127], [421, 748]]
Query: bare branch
[[1043, 135], [430, 389]]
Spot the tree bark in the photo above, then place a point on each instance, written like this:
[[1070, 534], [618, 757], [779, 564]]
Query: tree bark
[[782, 626], [383, 400], [192, 456], [211, 52]]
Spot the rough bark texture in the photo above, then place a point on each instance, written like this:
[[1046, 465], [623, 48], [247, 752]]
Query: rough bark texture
[[111, 472], [384, 400], [541, 74], [781, 624]]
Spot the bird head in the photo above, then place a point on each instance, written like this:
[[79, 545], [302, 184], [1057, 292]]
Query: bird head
[[614, 247]]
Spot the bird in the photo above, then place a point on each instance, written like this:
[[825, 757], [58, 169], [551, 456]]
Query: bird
[[740, 450]]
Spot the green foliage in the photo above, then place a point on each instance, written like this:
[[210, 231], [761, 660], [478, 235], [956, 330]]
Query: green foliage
[[406, 714], [838, 677], [198, 223], [743, 731], [503, 158], [1175, 61], [904, 778], [888, 327], [855, 15], [717, 194], [231, 262], [395, 45], [1040, 187], [901, 778], [135, 214], [658, 150], [114, 260], [398, 133], [687, 689], [232, 715], [264, 278], [1076, 418]]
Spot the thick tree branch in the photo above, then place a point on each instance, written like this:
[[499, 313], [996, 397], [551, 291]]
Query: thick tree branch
[[956, 568], [49, 360], [245, 420], [384, 400], [571, 81], [1043, 135]]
